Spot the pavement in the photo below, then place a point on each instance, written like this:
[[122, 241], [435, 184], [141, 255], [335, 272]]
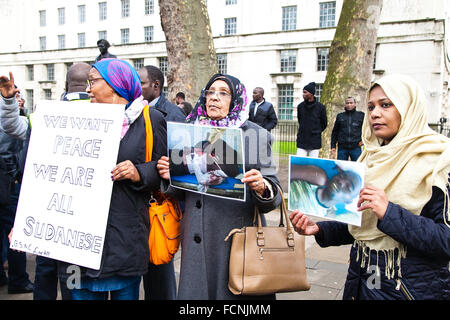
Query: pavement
[[326, 268]]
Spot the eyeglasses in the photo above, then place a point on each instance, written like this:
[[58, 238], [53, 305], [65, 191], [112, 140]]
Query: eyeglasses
[[91, 82], [220, 94]]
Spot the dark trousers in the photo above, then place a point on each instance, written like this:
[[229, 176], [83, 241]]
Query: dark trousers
[[17, 261], [343, 154], [46, 281], [160, 282]]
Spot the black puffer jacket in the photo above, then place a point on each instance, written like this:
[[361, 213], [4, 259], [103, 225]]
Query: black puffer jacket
[[347, 129], [425, 270]]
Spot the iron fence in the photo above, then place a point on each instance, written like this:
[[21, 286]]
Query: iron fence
[[441, 128], [285, 135]]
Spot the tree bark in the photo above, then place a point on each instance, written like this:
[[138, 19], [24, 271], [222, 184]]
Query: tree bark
[[351, 61], [190, 47]]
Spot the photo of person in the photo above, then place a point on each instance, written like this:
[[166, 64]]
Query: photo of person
[[326, 188], [206, 160]]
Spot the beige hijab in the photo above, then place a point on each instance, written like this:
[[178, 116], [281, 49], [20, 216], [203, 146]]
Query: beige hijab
[[416, 159]]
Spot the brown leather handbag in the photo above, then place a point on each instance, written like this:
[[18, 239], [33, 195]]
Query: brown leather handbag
[[266, 260]]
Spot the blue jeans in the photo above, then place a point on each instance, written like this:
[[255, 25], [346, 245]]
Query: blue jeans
[[343, 154], [130, 292]]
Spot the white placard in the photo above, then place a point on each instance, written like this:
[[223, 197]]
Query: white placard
[[66, 189]]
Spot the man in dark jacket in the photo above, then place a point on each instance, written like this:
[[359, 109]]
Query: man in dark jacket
[[347, 132], [312, 120], [152, 81], [262, 112], [159, 281], [10, 181]]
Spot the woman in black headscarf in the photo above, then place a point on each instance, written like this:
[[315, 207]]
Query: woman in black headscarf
[[207, 220]]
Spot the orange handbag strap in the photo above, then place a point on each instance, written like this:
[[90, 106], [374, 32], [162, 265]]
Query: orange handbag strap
[[149, 132]]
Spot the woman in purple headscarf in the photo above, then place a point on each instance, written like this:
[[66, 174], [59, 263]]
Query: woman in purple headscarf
[[125, 253]]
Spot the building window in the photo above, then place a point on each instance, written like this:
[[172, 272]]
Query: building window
[[124, 36], [102, 35], [81, 40], [30, 98], [48, 94], [289, 18], [61, 15], [30, 72], [327, 14], [230, 2], [102, 10], [288, 60], [82, 14], [42, 18], [323, 57], [138, 63], [222, 62], [68, 65], [125, 8], [286, 101], [230, 26], [50, 72], [61, 41], [319, 89], [375, 58], [149, 7], [43, 43], [163, 65], [148, 33]]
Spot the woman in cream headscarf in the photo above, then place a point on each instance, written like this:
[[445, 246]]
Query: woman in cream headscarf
[[402, 249]]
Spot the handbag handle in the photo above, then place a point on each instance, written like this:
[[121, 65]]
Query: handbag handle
[[283, 212]]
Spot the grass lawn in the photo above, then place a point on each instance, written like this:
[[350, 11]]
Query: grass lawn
[[289, 147]]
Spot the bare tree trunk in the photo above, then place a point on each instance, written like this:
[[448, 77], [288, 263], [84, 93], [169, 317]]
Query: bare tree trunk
[[190, 48], [352, 55]]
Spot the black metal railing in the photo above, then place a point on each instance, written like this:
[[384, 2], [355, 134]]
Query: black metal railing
[[285, 135], [441, 128]]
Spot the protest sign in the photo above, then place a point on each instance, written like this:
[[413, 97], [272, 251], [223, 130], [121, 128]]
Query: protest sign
[[66, 189], [326, 188], [206, 159]]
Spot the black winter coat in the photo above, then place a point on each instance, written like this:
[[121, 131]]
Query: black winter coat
[[347, 129], [265, 115], [125, 251], [312, 120], [170, 111], [425, 270]]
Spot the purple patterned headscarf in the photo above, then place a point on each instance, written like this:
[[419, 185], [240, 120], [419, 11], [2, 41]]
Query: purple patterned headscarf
[[238, 113], [121, 76]]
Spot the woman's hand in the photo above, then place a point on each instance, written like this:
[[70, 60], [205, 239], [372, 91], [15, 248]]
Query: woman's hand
[[163, 167], [7, 88], [125, 170], [302, 224], [254, 180], [10, 235], [373, 198]]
